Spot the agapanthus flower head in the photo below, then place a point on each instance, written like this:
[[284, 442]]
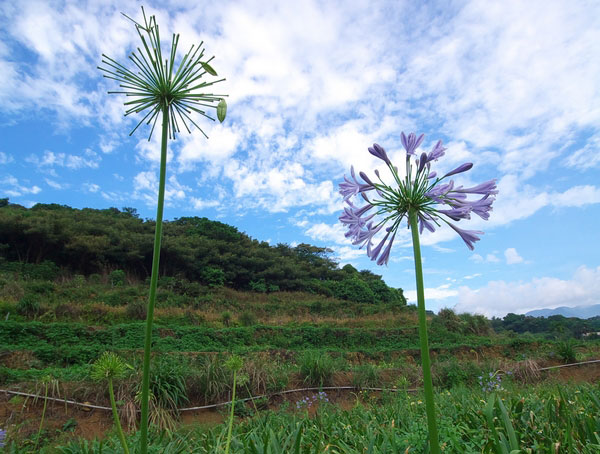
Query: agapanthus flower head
[[155, 85], [434, 200]]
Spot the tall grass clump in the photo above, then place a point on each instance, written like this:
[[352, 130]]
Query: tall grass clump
[[317, 368]]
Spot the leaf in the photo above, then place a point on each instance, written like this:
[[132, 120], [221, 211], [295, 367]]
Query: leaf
[[209, 69], [221, 110]]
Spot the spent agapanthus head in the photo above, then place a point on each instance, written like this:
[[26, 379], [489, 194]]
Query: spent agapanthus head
[[156, 86], [434, 199]]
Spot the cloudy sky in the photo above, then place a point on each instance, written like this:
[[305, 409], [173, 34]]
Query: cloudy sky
[[511, 86]]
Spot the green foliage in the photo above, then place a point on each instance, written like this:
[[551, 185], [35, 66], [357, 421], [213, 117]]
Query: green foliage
[[136, 309], [108, 366], [213, 277], [43, 239], [168, 375], [226, 318], [247, 318], [117, 278], [366, 376], [210, 379], [317, 368], [258, 286], [29, 305], [544, 420], [566, 351]]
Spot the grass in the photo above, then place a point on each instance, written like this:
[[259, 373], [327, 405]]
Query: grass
[[541, 419]]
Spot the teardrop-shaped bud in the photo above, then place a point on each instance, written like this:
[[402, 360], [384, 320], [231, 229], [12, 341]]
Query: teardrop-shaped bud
[[222, 110], [209, 69]]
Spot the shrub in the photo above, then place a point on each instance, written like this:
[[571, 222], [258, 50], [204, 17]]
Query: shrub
[[366, 376], [258, 286], [213, 277], [317, 368], [11, 289], [43, 288], [566, 351], [226, 318], [117, 278], [136, 309], [28, 305], [247, 318], [211, 379], [168, 381]]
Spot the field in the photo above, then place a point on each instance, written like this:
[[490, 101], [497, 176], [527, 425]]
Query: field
[[335, 350]]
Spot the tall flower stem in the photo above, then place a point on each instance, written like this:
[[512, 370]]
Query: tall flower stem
[[113, 405], [154, 281], [228, 442], [425, 361]]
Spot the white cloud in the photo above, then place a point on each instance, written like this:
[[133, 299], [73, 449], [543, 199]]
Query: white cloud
[[437, 293], [472, 276], [89, 159], [200, 204], [587, 157], [5, 158], [91, 187], [146, 188], [326, 232], [10, 186], [498, 298], [512, 256], [489, 258], [55, 184]]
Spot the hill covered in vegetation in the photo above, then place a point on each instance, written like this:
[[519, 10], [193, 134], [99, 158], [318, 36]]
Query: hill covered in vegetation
[[214, 254]]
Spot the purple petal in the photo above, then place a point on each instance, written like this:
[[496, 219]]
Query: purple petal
[[468, 236], [373, 253], [412, 142], [422, 162], [385, 255], [424, 223], [364, 176], [487, 188], [461, 168], [378, 151], [456, 214], [437, 151], [432, 175]]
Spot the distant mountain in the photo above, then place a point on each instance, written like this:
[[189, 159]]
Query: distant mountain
[[578, 311]]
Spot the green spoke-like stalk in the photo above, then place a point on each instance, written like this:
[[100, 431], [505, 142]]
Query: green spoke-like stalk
[[434, 444]]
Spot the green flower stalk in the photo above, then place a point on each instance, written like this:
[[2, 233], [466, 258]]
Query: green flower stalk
[[159, 86], [110, 367], [234, 363], [427, 203]]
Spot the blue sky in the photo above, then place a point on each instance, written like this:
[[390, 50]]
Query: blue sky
[[511, 86]]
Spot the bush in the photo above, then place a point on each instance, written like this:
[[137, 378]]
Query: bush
[[566, 351], [226, 318], [43, 288], [317, 368], [28, 305], [211, 379], [247, 318], [136, 309], [117, 278], [168, 381], [366, 376], [213, 277]]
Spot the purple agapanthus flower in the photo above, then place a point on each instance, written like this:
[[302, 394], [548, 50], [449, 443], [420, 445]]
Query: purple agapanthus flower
[[2, 437], [434, 200]]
